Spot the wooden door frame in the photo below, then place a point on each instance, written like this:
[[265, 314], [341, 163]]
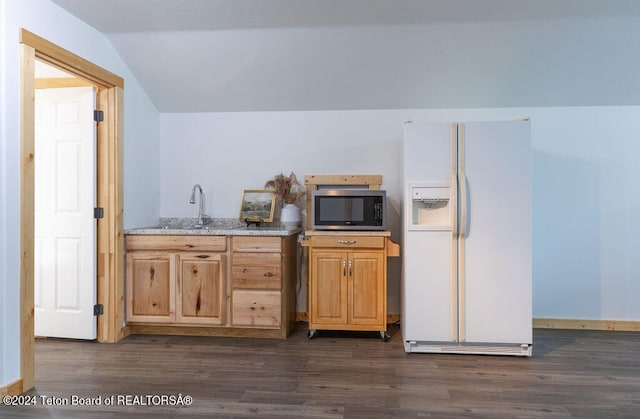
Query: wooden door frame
[[110, 237]]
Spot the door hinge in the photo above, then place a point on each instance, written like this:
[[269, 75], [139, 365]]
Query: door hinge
[[98, 116], [98, 212], [98, 310]]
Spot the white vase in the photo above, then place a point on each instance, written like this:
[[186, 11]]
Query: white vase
[[290, 215]]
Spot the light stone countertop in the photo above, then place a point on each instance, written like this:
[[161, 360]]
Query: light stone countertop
[[213, 227]]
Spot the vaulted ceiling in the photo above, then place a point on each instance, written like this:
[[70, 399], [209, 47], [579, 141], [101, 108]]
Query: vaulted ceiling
[[263, 55]]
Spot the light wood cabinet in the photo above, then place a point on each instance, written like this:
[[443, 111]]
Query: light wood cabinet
[[150, 287], [201, 289], [348, 281], [211, 285], [168, 285]]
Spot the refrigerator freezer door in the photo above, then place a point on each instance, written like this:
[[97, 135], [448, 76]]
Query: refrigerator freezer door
[[429, 308], [496, 260]]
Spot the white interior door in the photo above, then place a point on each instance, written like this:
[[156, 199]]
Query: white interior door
[[65, 229]]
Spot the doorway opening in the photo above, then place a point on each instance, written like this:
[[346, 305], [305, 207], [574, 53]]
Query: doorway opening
[[109, 194]]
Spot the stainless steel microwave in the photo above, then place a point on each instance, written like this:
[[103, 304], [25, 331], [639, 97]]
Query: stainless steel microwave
[[348, 209]]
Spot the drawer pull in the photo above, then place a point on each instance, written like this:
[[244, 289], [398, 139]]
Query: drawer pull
[[269, 274], [203, 256], [347, 241]]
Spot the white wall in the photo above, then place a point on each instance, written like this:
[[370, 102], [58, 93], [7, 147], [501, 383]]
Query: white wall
[[586, 229], [140, 146], [229, 152]]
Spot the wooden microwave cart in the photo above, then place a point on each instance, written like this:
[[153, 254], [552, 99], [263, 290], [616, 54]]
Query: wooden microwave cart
[[347, 271]]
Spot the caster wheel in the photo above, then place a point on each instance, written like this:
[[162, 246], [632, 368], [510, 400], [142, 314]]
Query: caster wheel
[[311, 334]]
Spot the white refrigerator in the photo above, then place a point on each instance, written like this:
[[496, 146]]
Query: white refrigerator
[[466, 285]]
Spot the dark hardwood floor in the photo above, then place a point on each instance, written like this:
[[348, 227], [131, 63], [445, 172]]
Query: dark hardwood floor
[[581, 374]]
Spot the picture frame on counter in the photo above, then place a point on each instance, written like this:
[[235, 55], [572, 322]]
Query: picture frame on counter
[[258, 206]]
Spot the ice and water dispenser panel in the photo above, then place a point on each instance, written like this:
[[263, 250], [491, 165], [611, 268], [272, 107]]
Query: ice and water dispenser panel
[[431, 206]]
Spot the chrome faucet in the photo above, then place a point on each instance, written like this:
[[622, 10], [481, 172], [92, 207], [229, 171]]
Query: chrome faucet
[[192, 200]]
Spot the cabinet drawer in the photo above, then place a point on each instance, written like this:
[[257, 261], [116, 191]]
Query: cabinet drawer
[[256, 308], [186, 242], [257, 244], [262, 277], [256, 270], [376, 242]]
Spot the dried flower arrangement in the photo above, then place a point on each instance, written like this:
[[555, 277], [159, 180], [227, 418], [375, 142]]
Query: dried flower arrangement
[[288, 189]]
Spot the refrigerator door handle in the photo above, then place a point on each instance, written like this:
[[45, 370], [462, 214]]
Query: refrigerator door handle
[[454, 204], [463, 205]]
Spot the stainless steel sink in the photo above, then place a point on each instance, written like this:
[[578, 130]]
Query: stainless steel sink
[[183, 227]]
